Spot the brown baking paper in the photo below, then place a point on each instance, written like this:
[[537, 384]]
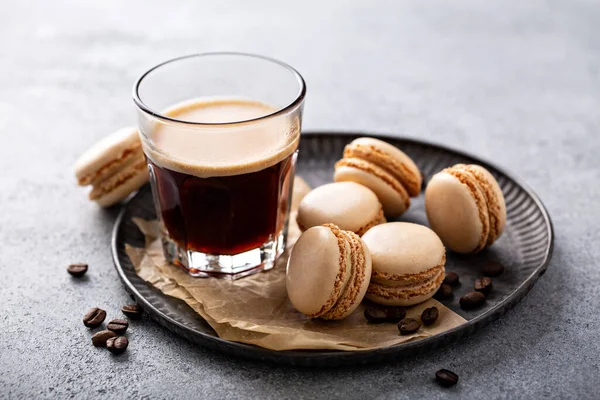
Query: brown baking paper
[[256, 309]]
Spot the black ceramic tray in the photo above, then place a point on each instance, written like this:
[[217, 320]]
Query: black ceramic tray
[[524, 249]]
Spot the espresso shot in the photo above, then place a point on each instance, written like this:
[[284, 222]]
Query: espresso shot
[[222, 193], [220, 134]]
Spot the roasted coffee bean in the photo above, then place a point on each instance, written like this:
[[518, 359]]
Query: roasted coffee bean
[[408, 326], [472, 300], [94, 317], [375, 315], [446, 378], [493, 268], [483, 285], [117, 345], [444, 292], [429, 316], [451, 278], [118, 326], [77, 270], [133, 311], [395, 314], [99, 339]]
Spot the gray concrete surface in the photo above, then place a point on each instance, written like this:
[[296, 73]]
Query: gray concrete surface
[[517, 82]]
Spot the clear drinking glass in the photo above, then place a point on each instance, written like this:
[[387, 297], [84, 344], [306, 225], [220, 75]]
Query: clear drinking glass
[[220, 132]]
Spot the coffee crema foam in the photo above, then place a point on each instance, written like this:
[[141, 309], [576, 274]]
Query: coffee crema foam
[[221, 150]]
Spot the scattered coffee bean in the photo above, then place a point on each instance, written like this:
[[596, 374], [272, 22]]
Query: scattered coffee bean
[[446, 378], [408, 326], [493, 268], [451, 278], [395, 314], [472, 300], [133, 311], [94, 317], [429, 316], [99, 339], [375, 315], [444, 292], [117, 345], [77, 270], [118, 326], [483, 285]]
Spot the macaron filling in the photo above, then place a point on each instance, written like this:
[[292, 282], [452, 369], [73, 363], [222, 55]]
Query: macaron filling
[[390, 164], [108, 169], [401, 280], [408, 292], [491, 199], [348, 300], [126, 173]]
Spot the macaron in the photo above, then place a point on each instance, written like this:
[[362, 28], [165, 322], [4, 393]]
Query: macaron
[[465, 207], [386, 170], [328, 272], [115, 167], [408, 263], [350, 206]]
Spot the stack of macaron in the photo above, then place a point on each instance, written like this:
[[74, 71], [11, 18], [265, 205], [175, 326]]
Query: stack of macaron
[[114, 167], [465, 208], [386, 170]]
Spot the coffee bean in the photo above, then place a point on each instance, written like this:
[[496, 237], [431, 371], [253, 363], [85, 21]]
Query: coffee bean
[[94, 317], [446, 378], [472, 300], [493, 268], [483, 285], [133, 311], [77, 270], [375, 315], [395, 314], [444, 292], [118, 326], [117, 345], [429, 316], [99, 339], [408, 326], [451, 278]]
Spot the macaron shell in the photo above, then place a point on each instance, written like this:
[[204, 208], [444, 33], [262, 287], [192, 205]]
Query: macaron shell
[[348, 205], [403, 248], [128, 182], [394, 198], [317, 271], [96, 163], [457, 211], [358, 283], [390, 158]]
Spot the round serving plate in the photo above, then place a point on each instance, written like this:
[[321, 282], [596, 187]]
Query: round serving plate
[[524, 249]]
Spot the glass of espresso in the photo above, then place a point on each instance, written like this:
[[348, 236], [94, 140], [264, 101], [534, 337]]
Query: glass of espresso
[[220, 132]]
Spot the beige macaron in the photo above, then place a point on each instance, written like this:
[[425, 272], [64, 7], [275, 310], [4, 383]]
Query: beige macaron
[[383, 168], [350, 206], [328, 272], [408, 263], [115, 167], [465, 207]]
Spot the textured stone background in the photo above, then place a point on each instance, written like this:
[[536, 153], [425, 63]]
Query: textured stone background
[[517, 82]]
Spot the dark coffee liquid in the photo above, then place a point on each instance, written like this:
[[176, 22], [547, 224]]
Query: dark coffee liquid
[[223, 215]]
